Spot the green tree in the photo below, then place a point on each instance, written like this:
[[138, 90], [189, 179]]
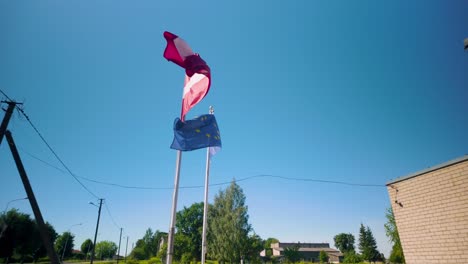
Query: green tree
[[138, 253], [368, 245], [65, 242], [396, 255], [270, 241], [105, 249], [87, 247], [323, 257], [16, 234], [41, 250], [162, 253], [344, 242], [190, 224], [255, 246], [352, 257], [20, 238], [228, 225], [291, 254]]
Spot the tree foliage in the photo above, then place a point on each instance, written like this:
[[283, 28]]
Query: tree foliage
[[105, 250], [20, 238], [64, 244], [352, 257], [396, 255], [269, 241], [368, 245], [344, 242], [87, 247], [190, 225], [228, 225], [291, 254], [323, 257], [148, 246]]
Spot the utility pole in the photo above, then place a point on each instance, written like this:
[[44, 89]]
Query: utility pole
[[95, 234], [6, 118], [118, 252], [32, 199], [126, 247]]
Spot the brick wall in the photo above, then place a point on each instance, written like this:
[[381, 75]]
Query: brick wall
[[433, 217]]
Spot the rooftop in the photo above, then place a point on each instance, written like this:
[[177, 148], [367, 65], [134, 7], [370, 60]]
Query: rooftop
[[430, 169]]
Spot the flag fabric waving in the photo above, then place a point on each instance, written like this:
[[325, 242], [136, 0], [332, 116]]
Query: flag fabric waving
[[201, 132], [197, 72]]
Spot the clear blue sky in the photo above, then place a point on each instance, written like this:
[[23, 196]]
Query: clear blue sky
[[362, 92]]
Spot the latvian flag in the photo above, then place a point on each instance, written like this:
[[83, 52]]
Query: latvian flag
[[197, 78]]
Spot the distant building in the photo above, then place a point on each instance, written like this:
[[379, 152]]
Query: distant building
[[308, 251], [431, 213]]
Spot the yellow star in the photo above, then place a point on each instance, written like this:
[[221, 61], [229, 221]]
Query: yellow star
[[208, 135], [197, 130]]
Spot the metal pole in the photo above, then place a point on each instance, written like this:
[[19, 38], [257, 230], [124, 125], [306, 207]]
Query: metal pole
[[126, 247], [205, 206], [6, 119], [95, 234], [32, 199], [118, 252], [170, 240], [205, 201], [19, 199]]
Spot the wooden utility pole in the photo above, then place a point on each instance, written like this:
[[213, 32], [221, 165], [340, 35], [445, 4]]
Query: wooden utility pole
[[126, 247], [95, 234], [118, 252], [6, 118], [32, 199]]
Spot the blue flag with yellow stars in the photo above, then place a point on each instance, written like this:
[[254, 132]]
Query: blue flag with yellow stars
[[201, 132]]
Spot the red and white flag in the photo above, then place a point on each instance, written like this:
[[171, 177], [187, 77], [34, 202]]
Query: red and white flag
[[197, 72]]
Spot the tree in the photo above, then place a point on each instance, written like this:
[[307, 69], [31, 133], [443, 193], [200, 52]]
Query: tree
[[368, 245], [190, 224], [291, 254], [65, 242], [270, 241], [148, 246], [323, 257], [20, 237], [255, 246], [15, 232], [41, 250], [344, 242], [105, 249], [396, 255], [228, 225], [87, 247], [352, 257]]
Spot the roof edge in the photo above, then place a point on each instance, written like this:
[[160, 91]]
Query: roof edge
[[430, 169]]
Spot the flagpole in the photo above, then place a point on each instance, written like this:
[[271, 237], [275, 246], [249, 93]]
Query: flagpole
[[170, 240], [205, 201]]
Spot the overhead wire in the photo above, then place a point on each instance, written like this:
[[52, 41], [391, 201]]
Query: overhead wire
[[110, 215], [213, 184], [50, 148]]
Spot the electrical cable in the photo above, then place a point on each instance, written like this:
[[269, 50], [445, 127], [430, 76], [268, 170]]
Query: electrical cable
[[214, 184], [50, 148]]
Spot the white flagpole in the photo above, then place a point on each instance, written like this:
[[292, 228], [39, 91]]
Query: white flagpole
[[205, 201], [170, 240]]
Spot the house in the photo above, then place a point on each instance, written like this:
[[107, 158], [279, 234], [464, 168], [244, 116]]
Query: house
[[307, 251], [431, 213]]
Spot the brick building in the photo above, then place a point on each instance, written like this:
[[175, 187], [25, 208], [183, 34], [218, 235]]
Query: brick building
[[431, 213], [307, 251]]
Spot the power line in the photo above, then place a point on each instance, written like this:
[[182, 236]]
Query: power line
[[50, 148], [110, 215], [4, 94], [215, 184]]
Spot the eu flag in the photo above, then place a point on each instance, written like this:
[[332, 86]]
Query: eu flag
[[201, 132]]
